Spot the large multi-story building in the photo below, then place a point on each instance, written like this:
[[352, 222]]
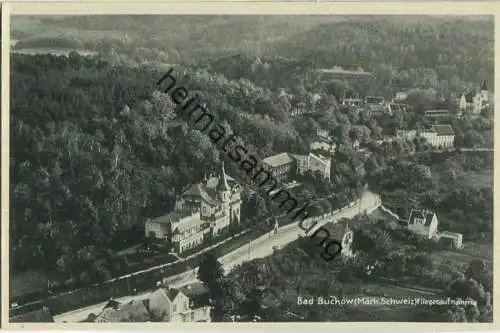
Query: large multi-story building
[[474, 101], [314, 161], [440, 136], [283, 165], [202, 211], [328, 74], [280, 166]]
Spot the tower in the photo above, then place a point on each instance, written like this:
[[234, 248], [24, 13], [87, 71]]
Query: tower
[[222, 188], [484, 92], [462, 105]]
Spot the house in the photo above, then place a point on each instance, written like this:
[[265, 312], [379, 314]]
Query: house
[[440, 136], [407, 135], [396, 107], [378, 100], [341, 232], [375, 109], [172, 305], [323, 145], [423, 223], [134, 311], [400, 97], [280, 166], [168, 305], [323, 142], [336, 73], [202, 211], [435, 115], [352, 101], [42, 315], [474, 101], [322, 134], [314, 161]]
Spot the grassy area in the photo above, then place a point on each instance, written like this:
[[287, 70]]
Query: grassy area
[[477, 180], [91, 295], [237, 242], [459, 259]]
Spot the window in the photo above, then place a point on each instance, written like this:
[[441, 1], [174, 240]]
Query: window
[[174, 308]]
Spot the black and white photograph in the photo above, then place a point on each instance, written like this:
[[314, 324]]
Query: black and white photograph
[[251, 168]]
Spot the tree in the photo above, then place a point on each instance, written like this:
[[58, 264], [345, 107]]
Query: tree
[[222, 298], [210, 271]]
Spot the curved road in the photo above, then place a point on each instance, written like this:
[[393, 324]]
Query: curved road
[[258, 248]]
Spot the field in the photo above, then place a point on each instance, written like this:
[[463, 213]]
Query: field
[[459, 259]]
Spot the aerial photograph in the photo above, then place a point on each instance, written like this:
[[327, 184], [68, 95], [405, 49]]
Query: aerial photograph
[[251, 168]]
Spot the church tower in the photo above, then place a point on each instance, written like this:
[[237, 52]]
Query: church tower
[[484, 92]]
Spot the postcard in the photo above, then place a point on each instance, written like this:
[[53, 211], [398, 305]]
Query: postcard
[[219, 164]]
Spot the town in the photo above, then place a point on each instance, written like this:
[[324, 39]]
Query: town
[[394, 164]]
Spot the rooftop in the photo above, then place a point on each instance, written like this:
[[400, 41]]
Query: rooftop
[[374, 99], [421, 214], [449, 234], [171, 217], [205, 193], [443, 130], [318, 156], [194, 289], [134, 311], [278, 160], [436, 112], [340, 70]]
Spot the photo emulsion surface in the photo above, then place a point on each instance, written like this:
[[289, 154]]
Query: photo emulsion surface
[[188, 168]]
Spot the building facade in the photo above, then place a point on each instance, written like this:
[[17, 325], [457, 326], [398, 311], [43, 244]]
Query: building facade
[[201, 212], [280, 166], [313, 162], [172, 305], [474, 102], [164, 305], [407, 135], [452, 239], [440, 136], [423, 223]]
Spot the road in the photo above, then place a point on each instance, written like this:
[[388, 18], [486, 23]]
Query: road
[[258, 248]]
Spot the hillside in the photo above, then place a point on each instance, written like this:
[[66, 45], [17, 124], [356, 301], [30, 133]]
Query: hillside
[[94, 154], [460, 47]]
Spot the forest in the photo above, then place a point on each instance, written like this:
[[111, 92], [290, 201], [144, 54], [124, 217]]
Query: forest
[[95, 153]]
